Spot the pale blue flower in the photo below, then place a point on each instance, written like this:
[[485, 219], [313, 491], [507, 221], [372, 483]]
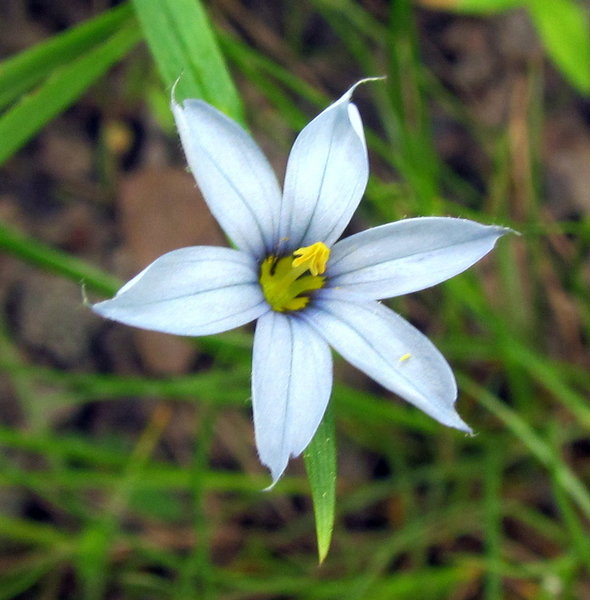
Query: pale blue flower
[[307, 290]]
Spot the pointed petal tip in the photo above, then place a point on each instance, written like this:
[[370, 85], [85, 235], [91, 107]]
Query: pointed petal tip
[[173, 91], [500, 231], [508, 230], [459, 424], [107, 309], [452, 419], [270, 487], [276, 473], [99, 308], [361, 81]]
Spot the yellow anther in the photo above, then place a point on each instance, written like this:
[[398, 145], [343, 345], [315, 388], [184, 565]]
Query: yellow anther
[[287, 282], [405, 357], [313, 257]]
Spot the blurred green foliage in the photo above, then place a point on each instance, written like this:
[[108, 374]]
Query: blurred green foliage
[[561, 24]]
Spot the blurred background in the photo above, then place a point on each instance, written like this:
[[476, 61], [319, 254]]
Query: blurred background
[[127, 461]]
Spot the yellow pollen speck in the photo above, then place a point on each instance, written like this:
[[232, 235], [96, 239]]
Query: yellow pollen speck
[[405, 357], [314, 257]]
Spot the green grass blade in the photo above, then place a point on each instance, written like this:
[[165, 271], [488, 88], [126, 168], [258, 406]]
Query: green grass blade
[[483, 6], [185, 49], [493, 517], [59, 262], [563, 27], [20, 73], [194, 573], [560, 471], [320, 463], [22, 578], [65, 86], [573, 523], [410, 128], [32, 532]]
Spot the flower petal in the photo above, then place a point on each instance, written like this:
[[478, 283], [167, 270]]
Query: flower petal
[[409, 255], [192, 291], [326, 176], [291, 385], [236, 179], [391, 351]]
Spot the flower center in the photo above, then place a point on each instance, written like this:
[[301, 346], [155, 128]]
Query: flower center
[[286, 282]]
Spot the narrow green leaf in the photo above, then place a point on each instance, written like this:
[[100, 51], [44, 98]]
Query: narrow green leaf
[[483, 6], [560, 470], [320, 463], [563, 27], [572, 521], [20, 73], [32, 532], [91, 560], [65, 86], [185, 49], [57, 261], [17, 581]]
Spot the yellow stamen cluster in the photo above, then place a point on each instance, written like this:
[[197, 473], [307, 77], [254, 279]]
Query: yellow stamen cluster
[[315, 257], [285, 281]]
